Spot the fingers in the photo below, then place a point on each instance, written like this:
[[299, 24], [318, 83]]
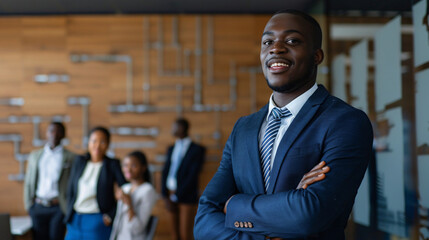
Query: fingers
[[318, 166], [308, 181], [316, 174]]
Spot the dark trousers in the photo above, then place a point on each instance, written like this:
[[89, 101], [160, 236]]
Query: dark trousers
[[47, 222]]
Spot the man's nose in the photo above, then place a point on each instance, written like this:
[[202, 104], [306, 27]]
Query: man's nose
[[278, 47]]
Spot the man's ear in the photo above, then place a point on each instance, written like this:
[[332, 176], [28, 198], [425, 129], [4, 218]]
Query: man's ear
[[318, 56]]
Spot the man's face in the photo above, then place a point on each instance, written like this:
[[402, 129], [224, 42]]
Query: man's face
[[177, 130], [54, 135], [288, 56]]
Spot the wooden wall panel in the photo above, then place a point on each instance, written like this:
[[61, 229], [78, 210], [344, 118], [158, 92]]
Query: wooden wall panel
[[43, 45]]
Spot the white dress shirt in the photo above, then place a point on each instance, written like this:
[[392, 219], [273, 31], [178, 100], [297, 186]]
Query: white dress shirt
[[143, 199], [294, 107], [86, 200], [49, 172], [181, 146]]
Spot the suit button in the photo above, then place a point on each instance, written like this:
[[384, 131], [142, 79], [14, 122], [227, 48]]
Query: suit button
[[236, 224], [250, 225], [241, 224], [245, 225]]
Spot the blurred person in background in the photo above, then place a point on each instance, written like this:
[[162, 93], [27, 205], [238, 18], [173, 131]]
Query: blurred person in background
[[136, 199], [180, 180], [90, 194], [45, 185]]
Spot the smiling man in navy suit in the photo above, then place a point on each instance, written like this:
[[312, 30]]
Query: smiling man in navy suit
[[255, 192]]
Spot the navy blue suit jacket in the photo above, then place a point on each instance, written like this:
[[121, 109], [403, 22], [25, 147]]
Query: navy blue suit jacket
[[187, 174], [110, 173], [325, 129]]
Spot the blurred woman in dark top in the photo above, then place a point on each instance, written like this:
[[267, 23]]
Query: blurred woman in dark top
[[91, 201]]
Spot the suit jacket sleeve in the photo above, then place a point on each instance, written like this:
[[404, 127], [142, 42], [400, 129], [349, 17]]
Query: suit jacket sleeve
[[119, 179], [210, 219], [164, 190], [64, 178], [299, 213], [30, 180], [117, 172], [75, 172]]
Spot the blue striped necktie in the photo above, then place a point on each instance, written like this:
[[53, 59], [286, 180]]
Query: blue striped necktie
[[268, 141]]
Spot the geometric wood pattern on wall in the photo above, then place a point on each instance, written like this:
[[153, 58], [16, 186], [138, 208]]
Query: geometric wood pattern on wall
[[133, 74]]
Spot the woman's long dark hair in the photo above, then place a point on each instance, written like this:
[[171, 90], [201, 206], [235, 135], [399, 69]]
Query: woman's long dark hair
[[139, 155]]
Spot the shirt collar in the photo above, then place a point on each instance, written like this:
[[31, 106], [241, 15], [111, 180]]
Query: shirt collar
[[183, 141], [295, 106], [57, 149]]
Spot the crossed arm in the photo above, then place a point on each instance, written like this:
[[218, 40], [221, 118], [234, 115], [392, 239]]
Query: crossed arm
[[316, 174], [216, 229], [311, 209]]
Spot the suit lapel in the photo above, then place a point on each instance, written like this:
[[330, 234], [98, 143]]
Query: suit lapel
[[298, 124], [186, 157], [65, 163], [251, 135], [39, 155], [36, 169], [66, 156]]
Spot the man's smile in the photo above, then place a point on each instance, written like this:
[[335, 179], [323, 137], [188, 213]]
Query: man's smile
[[278, 65]]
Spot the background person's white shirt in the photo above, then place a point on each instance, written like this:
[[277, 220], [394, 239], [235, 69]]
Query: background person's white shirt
[[49, 172], [181, 146], [86, 200]]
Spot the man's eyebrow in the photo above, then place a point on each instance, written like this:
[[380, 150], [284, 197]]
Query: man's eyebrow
[[286, 31], [267, 33]]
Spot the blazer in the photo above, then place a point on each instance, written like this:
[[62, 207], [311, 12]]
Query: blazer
[[109, 174], [187, 174], [31, 176], [326, 129], [143, 200]]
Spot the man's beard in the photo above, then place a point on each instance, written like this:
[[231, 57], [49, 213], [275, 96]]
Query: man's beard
[[294, 84]]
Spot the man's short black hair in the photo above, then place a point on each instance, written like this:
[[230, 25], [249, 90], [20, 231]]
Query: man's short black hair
[[184, 123], [60, 126], [317, 30]]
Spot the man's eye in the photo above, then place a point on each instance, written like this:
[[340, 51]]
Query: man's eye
[[292, 41], [267, 42]]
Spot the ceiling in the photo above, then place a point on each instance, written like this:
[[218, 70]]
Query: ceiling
[[12, 7], [48, 7]]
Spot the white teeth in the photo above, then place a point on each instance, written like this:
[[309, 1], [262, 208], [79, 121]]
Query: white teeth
[[279, 65]]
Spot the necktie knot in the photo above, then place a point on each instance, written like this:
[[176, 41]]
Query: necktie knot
[[279, 113]]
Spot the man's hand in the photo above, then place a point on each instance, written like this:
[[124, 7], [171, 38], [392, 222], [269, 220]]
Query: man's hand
[[169, 205], [226, 204], [316, 174]]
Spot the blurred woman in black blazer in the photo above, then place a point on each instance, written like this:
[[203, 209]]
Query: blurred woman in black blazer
[[91, 203]]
